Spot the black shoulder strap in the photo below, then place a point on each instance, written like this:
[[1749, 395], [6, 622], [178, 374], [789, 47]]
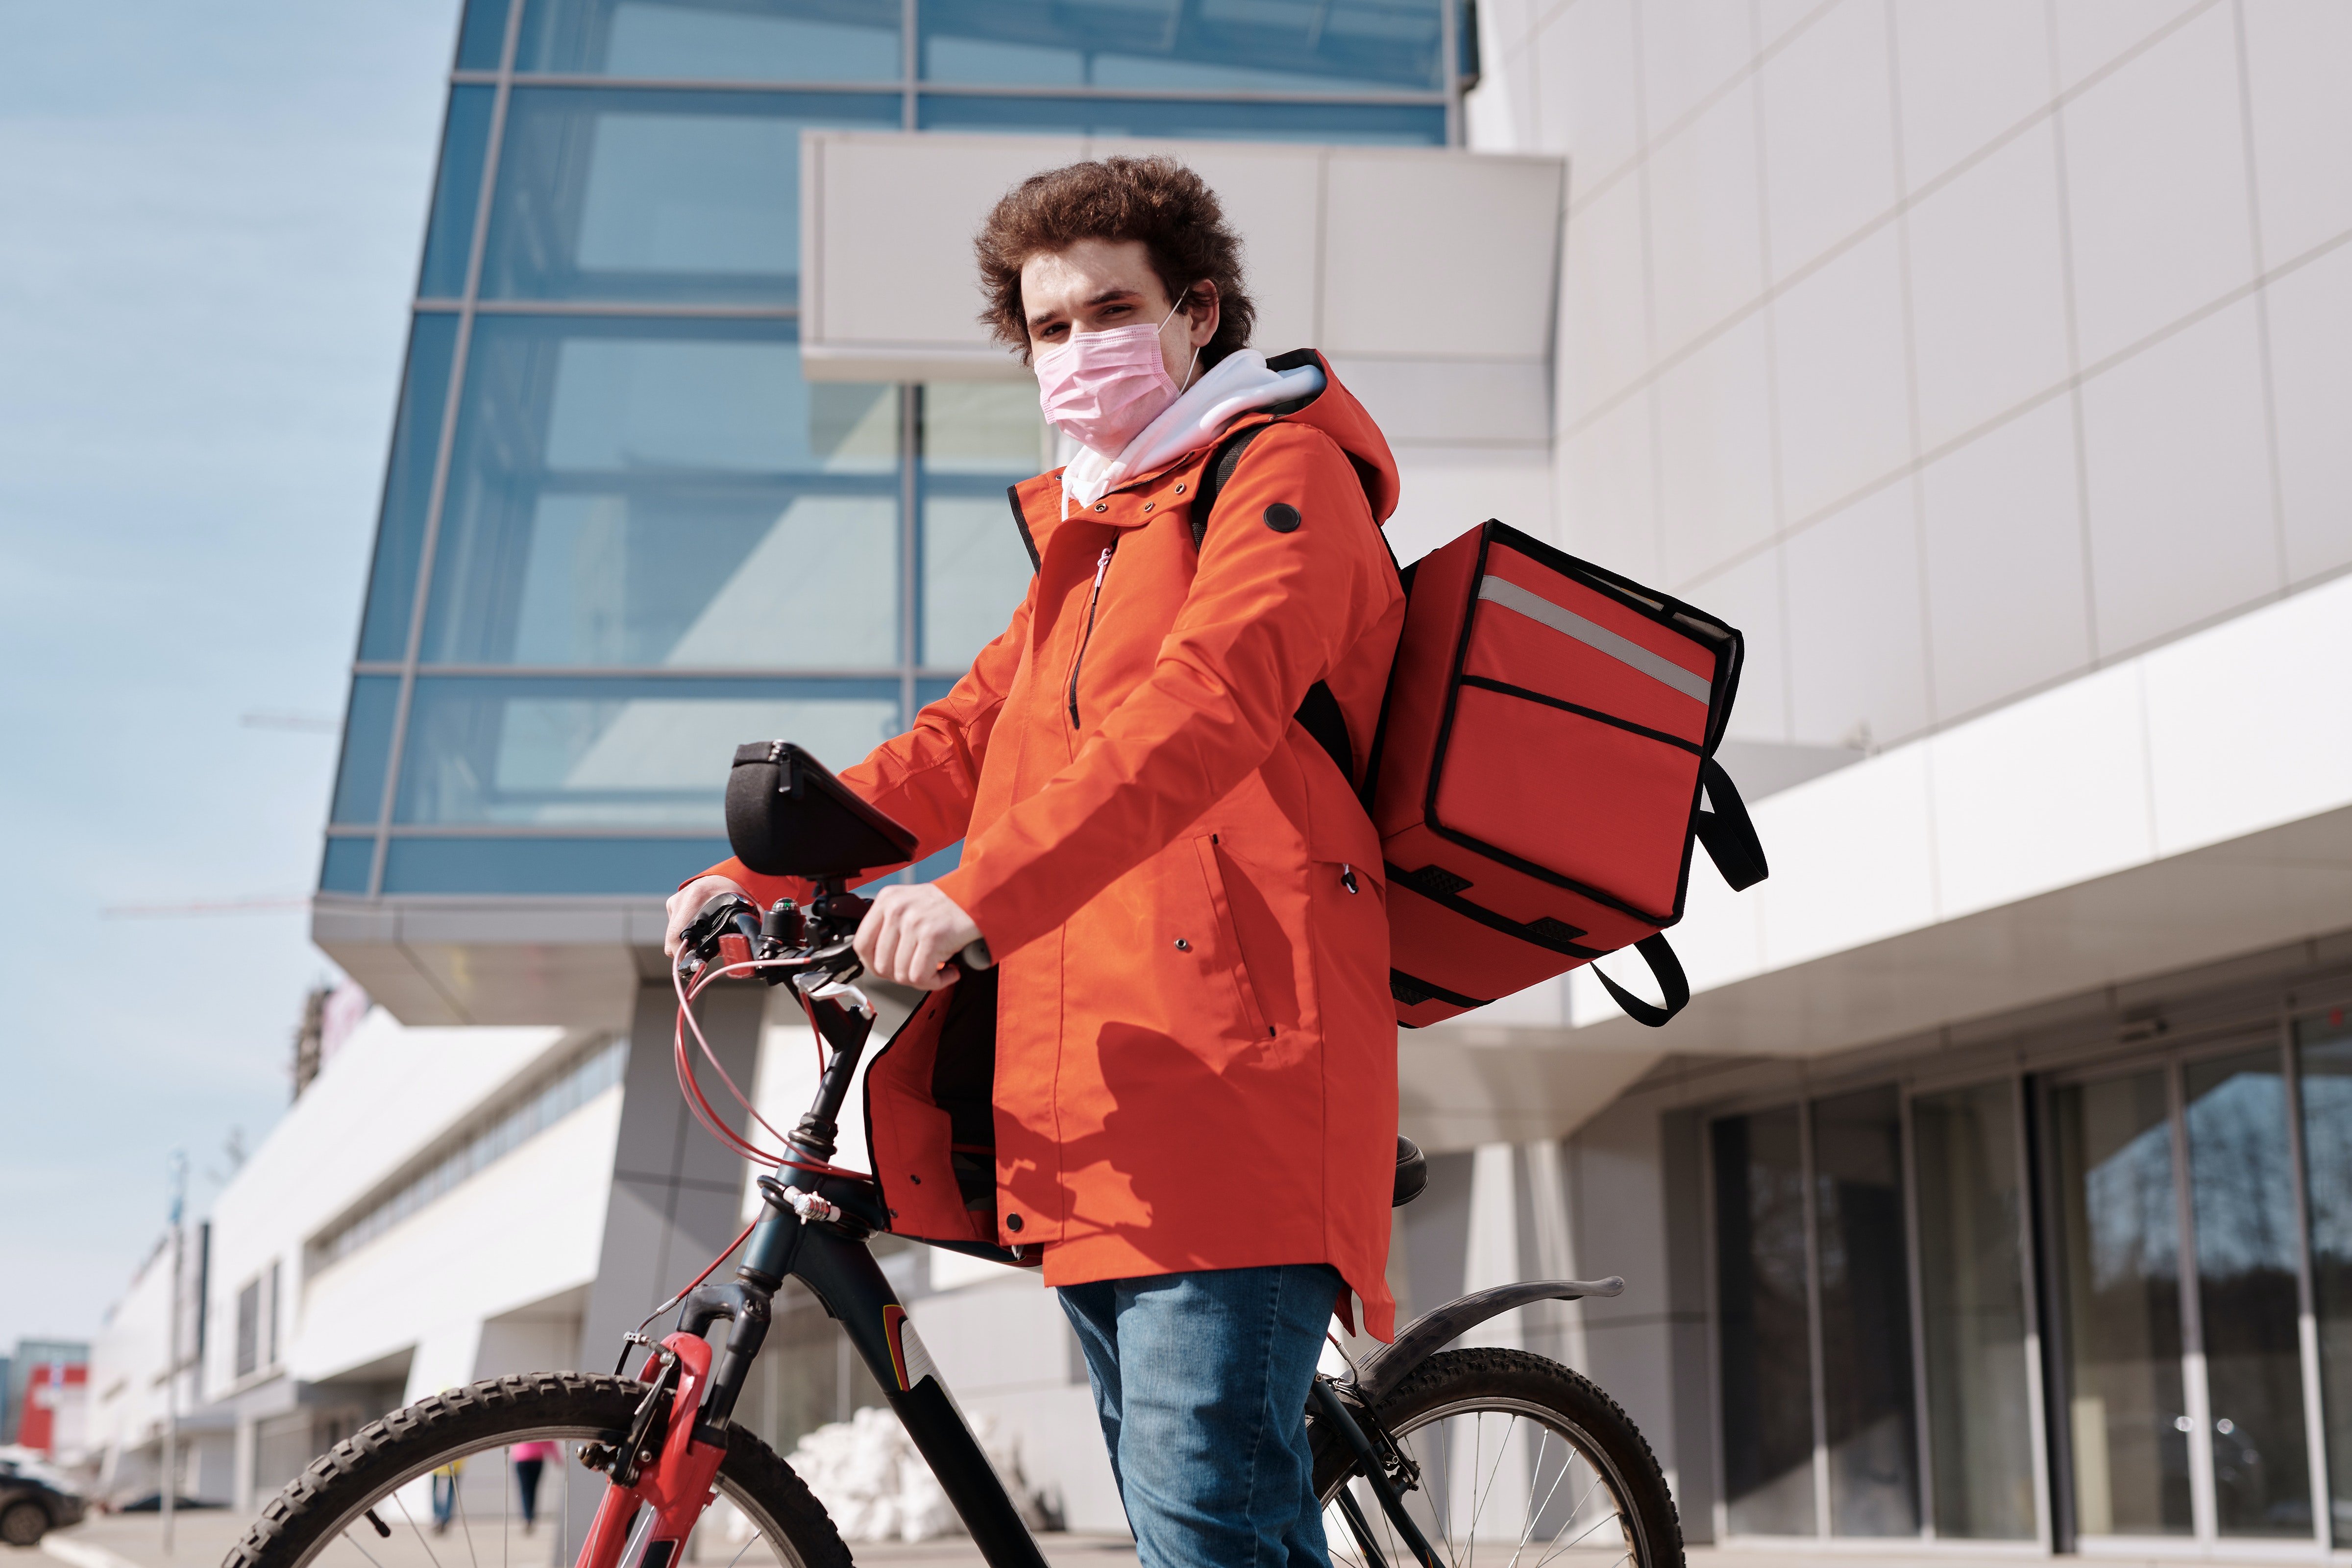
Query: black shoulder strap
[[1320, 712], [1218, 472]]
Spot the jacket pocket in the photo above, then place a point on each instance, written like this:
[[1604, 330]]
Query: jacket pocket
[[1231, 956]]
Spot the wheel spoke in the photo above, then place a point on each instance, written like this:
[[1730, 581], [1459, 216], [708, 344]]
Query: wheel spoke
[[1502, 1449], [355, 1545], [458, 1504], [412, 1525], [1535, 1509]]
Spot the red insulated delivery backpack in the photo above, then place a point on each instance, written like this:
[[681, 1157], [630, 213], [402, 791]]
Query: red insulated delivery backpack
[[1544, 762]]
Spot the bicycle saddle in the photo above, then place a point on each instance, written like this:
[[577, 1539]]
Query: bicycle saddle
[[787, 816], [1411, 1172]]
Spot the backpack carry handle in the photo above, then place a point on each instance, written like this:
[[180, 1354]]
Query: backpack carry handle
[[1673, 986], [1728, 831]]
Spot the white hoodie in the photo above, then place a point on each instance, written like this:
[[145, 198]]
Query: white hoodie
[[1233, 386]]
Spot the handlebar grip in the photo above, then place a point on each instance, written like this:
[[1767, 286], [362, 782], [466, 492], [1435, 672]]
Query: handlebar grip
[[975, 955]]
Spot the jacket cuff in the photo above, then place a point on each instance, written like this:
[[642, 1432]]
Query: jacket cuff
[[1001, 924]]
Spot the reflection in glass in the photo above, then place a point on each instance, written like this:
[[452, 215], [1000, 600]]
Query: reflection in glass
[[408, 489], [714, 40], [646, 494], [482, 36], [456, 193], [1972, 1300], [1407, 124], [1766, 1347], [2323, 1063], [1873, 1437], [546, 866], [367, 749], [673, 196], [2120, 1262], [639, 753], [1234, 46], [2243, 1198], [977, 438], [347, 866]]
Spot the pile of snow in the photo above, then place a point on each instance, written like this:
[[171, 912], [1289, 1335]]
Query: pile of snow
[[870, 1479]]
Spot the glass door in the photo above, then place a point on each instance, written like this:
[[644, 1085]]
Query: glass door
[[2119, 1270], [2189, 1358], [2241, 1197]]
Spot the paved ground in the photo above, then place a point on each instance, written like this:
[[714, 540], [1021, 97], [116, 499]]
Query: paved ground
[[201, 1540]]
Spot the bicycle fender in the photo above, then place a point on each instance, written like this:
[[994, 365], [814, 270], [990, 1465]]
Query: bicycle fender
[[1432, 1331]]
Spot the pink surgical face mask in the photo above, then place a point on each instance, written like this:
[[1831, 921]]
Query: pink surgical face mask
[[1102, 388]]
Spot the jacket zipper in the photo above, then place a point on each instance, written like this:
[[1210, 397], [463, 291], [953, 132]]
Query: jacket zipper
[[1080, 657]]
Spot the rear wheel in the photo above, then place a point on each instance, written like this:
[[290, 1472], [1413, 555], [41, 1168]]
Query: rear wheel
[[1515, 1457], [436, 1486]]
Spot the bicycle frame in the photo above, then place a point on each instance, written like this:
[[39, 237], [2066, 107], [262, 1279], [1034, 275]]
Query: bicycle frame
[[814, 1228]]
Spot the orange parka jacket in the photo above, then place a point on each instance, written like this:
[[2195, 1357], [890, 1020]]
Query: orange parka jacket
[[1194, 1046]]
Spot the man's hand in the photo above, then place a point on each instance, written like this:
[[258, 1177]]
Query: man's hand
[[910, 934], [687, 903]]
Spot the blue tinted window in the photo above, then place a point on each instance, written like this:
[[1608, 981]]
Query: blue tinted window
[[346, 865], [367, 749], [546, 866], [977, 438], [521, 751], [1410, 124], [626, 194], [668, 494], [408, 488], [456, 193], [930, 869], [482, 38], [714, 40], [1261, 46]]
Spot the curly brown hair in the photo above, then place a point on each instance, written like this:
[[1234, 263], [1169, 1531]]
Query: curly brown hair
[[1156, 200]]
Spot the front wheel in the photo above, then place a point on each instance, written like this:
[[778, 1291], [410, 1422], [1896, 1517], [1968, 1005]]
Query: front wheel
[[439, 1484], [1508, 1451]]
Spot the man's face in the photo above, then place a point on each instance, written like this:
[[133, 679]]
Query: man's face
[[1098, 284]]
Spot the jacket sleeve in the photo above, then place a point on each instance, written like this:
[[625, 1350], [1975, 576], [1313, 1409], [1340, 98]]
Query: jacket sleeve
[[926, 778], [1268, 613]]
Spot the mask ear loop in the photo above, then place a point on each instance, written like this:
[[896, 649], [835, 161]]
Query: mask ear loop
[[1184, 384]]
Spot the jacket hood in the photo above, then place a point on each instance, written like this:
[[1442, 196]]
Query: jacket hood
[[1336, 413]]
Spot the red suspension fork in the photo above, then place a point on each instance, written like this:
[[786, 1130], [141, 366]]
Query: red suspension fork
[[675, 1481]]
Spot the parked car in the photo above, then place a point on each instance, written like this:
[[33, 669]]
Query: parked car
[[34, 1500]]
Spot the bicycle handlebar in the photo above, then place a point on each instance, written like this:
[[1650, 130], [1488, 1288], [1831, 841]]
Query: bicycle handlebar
[[789, 940]]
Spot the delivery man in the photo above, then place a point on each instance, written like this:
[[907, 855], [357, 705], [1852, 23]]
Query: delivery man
[[1195, 1074]]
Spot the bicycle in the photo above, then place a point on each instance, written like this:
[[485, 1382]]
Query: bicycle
[[1421, 1453]]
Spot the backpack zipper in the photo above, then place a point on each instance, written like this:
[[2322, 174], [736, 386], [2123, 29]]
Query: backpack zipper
[[1080, 657]]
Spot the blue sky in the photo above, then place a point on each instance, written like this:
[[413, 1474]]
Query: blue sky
[[209, 224]]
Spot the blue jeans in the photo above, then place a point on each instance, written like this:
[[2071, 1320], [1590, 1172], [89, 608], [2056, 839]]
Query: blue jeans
[[1201, 1381]]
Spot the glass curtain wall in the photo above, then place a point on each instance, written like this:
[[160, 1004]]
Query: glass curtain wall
[[620, 532], [1821, 1354]]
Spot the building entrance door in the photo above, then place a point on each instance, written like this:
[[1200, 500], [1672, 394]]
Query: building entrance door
[[2189, 1361]]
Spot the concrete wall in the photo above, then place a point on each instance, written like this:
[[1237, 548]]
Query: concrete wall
[[1949, 351]]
